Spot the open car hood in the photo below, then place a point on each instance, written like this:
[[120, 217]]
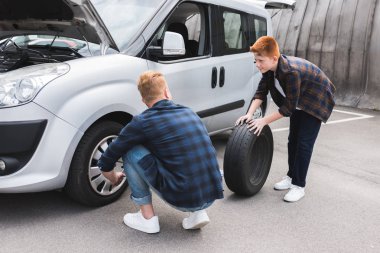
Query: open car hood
[[75, 19]]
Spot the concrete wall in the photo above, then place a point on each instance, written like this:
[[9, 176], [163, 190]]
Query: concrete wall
[[340, 36]]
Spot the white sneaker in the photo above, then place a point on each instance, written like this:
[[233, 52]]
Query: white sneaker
[[296, 193], [284, 184], [138, 222], [196, 220]]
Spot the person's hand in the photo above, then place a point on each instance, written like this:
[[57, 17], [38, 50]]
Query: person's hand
[[243, 119], [257, 125], [114, 177]]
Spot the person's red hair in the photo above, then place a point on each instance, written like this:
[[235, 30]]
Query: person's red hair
[[266, 46]]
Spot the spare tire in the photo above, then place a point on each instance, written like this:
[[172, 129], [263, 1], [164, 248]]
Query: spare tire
[[247, 160]]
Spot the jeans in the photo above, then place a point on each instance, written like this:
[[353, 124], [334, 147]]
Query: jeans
[[303, 132], [140, 188]]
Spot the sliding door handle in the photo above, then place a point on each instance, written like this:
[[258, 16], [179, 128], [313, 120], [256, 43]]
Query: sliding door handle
[[222, 76], [214, 77]]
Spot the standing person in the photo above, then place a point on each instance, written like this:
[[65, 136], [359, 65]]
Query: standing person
[[302, 92], [166, 149]]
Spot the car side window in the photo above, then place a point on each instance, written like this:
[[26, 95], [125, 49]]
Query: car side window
[[257, 28], [191, 21], [235, 32]]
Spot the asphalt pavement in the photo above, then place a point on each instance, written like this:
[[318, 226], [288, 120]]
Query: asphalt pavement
[[340, 211]]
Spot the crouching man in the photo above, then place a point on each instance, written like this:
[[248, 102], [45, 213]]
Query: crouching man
[[165, 149]]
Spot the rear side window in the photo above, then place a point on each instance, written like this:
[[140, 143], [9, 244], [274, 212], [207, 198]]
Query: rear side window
[[235, 32], [257, 28]]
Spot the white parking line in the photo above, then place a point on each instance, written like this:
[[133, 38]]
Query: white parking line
[[359, 116]]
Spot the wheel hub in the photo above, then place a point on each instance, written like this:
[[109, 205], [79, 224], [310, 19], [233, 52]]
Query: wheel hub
[[98, 182]]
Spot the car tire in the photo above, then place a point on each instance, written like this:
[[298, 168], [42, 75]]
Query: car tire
[[85, 183], [247, 160]]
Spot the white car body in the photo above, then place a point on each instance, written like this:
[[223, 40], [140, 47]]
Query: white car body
[[104, 86]]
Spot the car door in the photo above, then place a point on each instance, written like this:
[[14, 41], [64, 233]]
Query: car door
[[189, 77], [236, 69], [238, 76]]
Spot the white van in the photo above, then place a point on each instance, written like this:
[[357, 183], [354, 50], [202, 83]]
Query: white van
[[68, 71]]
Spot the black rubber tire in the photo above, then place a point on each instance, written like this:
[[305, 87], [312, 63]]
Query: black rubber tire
[[247, 160], [78, 185]]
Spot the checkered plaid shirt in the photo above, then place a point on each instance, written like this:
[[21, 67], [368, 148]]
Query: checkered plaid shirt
[[177, 137], [305, 85]]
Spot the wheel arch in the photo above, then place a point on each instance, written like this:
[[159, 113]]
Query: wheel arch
[[118, 116]]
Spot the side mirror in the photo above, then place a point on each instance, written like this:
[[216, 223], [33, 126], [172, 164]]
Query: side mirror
[[173, 44]]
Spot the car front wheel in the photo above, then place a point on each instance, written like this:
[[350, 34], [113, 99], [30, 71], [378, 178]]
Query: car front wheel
[[85, 182]]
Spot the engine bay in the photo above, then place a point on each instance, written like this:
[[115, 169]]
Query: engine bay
[[13, 56]]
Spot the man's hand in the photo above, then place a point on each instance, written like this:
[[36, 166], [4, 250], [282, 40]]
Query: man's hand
[[114, 177], [243, 119], [257, 124]]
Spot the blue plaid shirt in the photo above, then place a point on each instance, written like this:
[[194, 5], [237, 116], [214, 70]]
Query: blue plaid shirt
[[177, 137], [305, 85]]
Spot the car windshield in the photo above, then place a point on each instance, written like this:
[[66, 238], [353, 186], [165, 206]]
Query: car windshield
[[123, 18]]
